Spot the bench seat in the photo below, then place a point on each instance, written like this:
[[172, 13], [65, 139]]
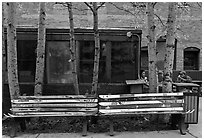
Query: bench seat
[[45, 106], [135, 104]]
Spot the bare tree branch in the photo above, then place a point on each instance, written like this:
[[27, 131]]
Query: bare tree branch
[[154, 4], [200, 5], [65, 4], [89, 6], [100, 5], [139, 5], [133, 4], [120, 8], [159, 19]]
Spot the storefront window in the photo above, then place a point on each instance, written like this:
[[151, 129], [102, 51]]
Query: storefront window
[[122, 62], [26, 55], [59, 64], [87, 62]]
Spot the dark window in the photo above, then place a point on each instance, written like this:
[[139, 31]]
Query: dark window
[[87, 62], [122, 62], [117, 63], [144, 59], [191, 59], [26, 53], [58, 62]]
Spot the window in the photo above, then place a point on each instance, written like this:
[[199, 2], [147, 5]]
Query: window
[[26, 53], [191, 58], [117, 61], [123, 64], [87, 62], [58, 62], [144, 58]]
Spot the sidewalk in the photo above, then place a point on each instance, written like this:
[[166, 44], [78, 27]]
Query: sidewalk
[[195, 131], [152, 134]]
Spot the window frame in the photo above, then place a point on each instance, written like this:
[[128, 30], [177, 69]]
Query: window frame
[[191, 50]]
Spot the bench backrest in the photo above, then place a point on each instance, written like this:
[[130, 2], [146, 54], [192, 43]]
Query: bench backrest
[[71, 105], [149, 103]]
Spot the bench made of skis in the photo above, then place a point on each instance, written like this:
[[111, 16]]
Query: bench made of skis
[[38, 106], [150, 103]]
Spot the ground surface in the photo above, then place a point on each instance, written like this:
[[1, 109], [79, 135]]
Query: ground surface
[[74, 125]]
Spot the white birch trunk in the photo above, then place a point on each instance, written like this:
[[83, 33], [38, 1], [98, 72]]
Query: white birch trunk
[[3, 48], [151, 49], [12, 52], [170, 46], [40, 51], [73, 50], [97, 50]]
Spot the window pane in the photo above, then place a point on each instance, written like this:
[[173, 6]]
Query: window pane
[[87, 62], [144, 60], [122, 61], [26, 60], [191, 60], [59, 64]]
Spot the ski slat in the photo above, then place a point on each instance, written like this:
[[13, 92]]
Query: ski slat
[[53, 109], [53, 114], [28, 101], [138, 110], [141, 95], [141, 106], [56, 105], [140, 102]]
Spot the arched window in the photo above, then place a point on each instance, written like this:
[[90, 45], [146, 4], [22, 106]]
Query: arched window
[[191, 58]]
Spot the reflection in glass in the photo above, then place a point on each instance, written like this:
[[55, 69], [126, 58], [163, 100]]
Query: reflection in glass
[[59, 63]]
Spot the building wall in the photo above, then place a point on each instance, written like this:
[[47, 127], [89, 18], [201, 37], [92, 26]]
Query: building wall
[[189, 22]]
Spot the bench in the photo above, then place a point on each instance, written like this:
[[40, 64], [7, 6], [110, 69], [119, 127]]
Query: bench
[[151, 103], [38, 106]]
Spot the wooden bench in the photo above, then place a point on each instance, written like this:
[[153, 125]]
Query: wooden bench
[[134, 104], [41, 106]]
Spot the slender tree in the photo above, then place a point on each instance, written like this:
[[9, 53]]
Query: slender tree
[[170, 47], [40, 51], [94, 10], [3, 48], [12, 51], [73, 49], [97, 50], [151, 48]]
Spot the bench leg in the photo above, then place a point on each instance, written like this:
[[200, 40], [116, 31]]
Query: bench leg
[[13, 130], [175, 119], [85, 122], [22, 123], [182, 125], [111, 127]]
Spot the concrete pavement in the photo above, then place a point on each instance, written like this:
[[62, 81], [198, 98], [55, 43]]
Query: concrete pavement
[[195, 131]]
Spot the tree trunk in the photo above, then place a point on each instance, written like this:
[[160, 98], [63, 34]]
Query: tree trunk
[[97, 50], [40, 51], [3, 49], [12, 52], [170, 46], [151, 48], [73, 50], [4, 76]]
